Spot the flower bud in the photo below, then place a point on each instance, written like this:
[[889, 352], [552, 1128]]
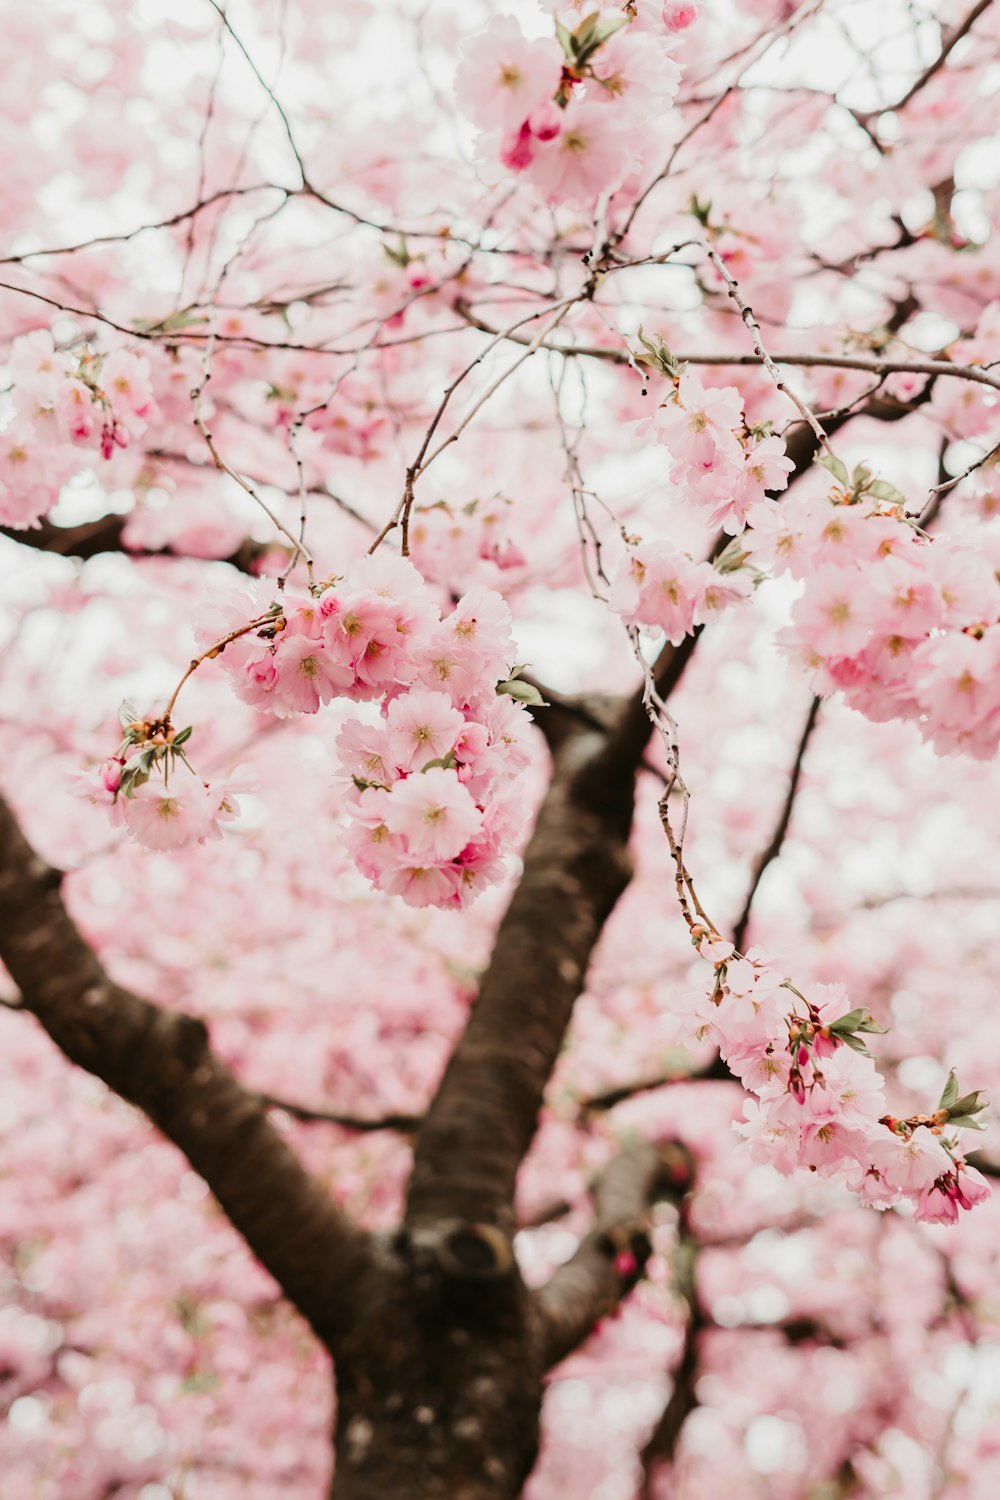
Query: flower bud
[[546, 122], [678, 15]]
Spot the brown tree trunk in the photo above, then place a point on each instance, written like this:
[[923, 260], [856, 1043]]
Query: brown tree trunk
[[439, 1388]]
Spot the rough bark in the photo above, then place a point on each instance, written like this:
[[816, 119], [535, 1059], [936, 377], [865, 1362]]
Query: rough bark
[[161, 1061], [439, 1391], [483, 1118]]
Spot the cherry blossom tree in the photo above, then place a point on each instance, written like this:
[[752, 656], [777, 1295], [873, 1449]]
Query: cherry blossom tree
[[501, 672]]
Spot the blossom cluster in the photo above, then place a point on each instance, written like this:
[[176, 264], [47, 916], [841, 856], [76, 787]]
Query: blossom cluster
[[150, 788], [567, 112], [449, 542], [658, 586], [62, 400], [723, 466], [432, 804], [818, 1100], [901, 626]]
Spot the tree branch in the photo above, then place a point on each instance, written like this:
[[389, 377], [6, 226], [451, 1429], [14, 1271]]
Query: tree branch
[[91, 538], [364, 1125], [661, 1447], [873, 364], [773, 849], [161, 1061], [948, 41], [483, 1117], [611, 1259]]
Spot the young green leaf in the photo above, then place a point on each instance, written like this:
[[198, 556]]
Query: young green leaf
[[836, 467], [523, 692]]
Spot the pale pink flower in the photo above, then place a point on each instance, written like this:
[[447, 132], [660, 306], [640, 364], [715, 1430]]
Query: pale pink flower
[[912, 1164], [635, 77], [424, 885], [168, 817], [364, 752], [31, 476], [480, 626], [657, 586], [434, 813], [374, 848], [832, 615], [766, 467], [503, 76], [592, 154], [307, 676], [423, 726], [125, 381], [770, 1138], [38, 372], [905, 601], [955, 678]]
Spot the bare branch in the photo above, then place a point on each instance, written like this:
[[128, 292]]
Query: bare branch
[[611, 1259], [873, 364], [773, 849], [948, 41]]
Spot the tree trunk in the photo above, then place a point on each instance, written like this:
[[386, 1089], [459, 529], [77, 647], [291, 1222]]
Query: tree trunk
[[439, 1389]]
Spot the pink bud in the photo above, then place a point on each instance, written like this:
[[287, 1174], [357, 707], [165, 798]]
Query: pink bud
[[518, 151], [625, 1263], [546, 122], [803, 1057], [678, 16], [797, 1088], [110, 775]]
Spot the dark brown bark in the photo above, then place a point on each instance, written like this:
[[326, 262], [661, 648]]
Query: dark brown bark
[[483, 1118], [439, 1390], [161, 1061], [613, 1256], [91, 538]]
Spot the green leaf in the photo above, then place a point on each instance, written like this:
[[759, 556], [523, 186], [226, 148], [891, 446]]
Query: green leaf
[[856, 1043], [133, 777], [658, 355], [732, 557], [950, 1092], [565, 39], [871, 1025], [175, 323], [523, 692], [399, 254], [592, 33], [852, 1020], [966, 1122], [182, 736], [836, 467], [881, 490], [446, 763], [969, 1104]]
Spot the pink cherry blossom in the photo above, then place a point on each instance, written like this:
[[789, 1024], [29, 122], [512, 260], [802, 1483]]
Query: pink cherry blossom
[[434, 813]]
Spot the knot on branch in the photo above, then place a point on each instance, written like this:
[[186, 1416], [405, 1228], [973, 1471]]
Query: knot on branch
[[192, 1040], [461, 1249]]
